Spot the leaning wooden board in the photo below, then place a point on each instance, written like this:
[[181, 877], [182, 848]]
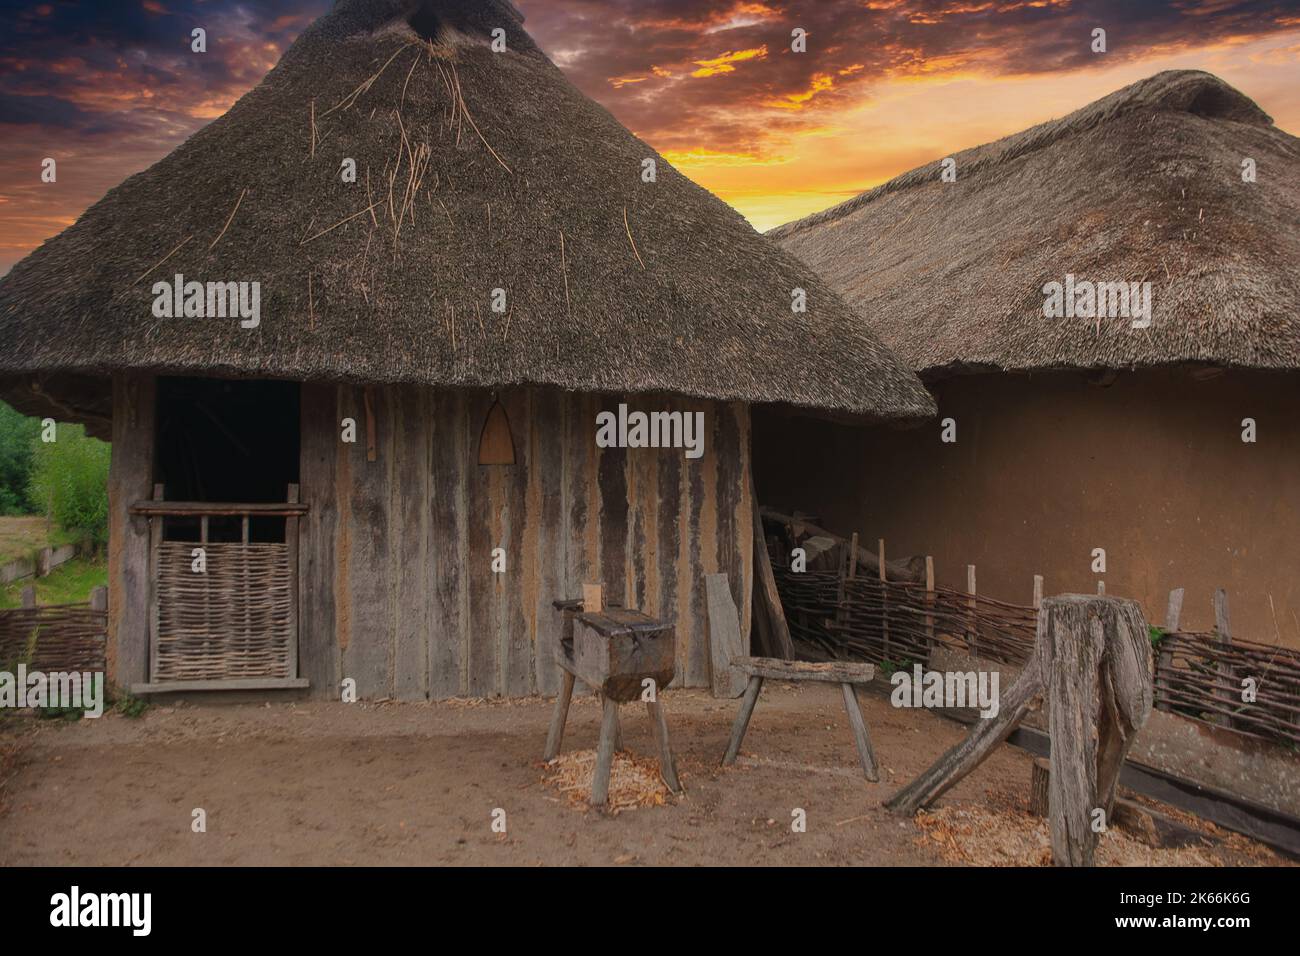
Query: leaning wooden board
[[725, 642]]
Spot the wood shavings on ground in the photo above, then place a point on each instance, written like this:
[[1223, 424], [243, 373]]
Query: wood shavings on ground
[[634, 782], [979, 836]]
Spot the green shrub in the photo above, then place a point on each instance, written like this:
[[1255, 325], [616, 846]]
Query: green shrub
[[18, 437], [70, 477]]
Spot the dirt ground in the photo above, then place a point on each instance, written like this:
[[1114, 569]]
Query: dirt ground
[[388, 783]]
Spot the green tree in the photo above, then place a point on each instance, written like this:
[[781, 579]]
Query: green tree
[[18, 435], [70, 477]]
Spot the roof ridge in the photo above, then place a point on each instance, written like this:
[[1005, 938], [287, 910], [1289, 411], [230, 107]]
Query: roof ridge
[[1191, 91]]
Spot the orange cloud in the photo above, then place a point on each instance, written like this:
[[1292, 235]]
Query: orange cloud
[[724, 63], [796, 101]]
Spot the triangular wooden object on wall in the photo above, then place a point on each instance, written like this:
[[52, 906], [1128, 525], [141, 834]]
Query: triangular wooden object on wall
[[495, 444]]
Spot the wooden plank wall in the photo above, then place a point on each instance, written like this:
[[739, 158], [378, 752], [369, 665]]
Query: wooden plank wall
[[130, 479], [398, 551]]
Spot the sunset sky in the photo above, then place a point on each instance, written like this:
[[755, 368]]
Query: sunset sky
[[109, 87]]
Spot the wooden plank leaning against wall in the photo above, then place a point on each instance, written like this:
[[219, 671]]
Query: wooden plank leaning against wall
[[397, 590]]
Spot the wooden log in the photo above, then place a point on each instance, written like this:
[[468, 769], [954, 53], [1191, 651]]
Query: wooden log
[[908, 569], [1096, 655], [742, 719], [767, 600], [725, 643], [667, 763], [860, 736], [605, 753], [961, 759], [833, 672], [555, 736], [1039, 775]]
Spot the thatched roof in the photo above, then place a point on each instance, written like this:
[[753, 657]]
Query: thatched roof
[[476, 170], [1143, 185]]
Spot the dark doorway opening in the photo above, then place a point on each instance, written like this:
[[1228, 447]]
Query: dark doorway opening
[[226, 441]]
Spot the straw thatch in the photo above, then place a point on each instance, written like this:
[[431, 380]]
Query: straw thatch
[[476, 170], [1143, 185]]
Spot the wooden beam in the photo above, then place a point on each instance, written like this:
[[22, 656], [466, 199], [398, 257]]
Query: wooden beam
[[150, 509], [768, 601], [241, 683], [833, 672], [909, 569]]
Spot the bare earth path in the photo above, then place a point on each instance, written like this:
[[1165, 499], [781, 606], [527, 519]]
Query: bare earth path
[[315, 783]]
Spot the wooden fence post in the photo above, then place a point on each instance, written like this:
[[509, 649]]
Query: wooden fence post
[[1038, 591], [99, 598], [972, 633], [1165, 659], [1223, 634], [29, 596], [884, 600], [929, 603]]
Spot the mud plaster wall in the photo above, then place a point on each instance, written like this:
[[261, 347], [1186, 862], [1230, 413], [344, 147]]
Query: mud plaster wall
[[397, 589], [1045, 468]]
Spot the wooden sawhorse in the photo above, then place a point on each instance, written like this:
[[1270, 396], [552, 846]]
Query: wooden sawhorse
[[847, 675]]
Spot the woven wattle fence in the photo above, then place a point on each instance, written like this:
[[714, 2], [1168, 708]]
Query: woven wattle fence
[[897, 624], [235, 620], [57, 637]]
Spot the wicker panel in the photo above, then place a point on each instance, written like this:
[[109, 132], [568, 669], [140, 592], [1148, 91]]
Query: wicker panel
[[234, 621], [891, 623], [57, 637]]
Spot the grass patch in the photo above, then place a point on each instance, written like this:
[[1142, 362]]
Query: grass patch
[[70, 583]]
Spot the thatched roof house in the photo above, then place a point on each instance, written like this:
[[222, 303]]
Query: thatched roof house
[[1144, 185], [1179, 181], [498, 270]]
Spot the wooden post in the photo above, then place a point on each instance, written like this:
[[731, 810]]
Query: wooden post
[[1040, 774], [1101, 587], [593, 599], [1092, 658], [157, 527], [555, 736], [972, 634], [1095, 654], [742, 719], [1165, 659], [99, 598], [29, 596], [773, 629], [605, 752], [1225, 692], [1038, 591], [929, 602], [291, 541], [667, 763], [884, 602]]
